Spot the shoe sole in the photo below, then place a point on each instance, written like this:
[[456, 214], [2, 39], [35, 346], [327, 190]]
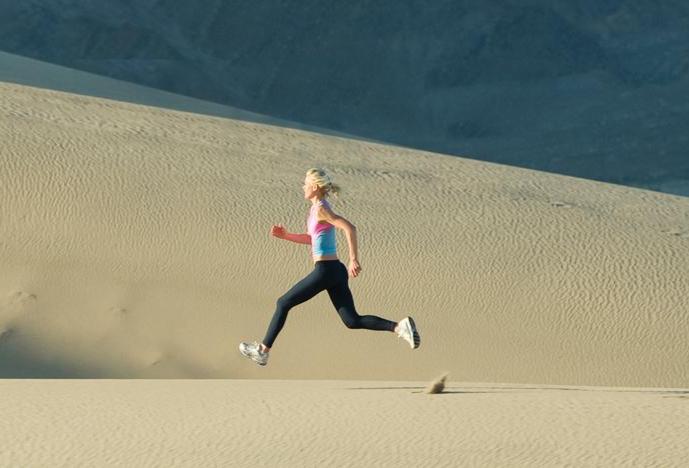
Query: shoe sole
[[241, 350], [413, 332]]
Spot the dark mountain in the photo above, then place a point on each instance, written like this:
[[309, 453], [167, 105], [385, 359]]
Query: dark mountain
[[594, 89]]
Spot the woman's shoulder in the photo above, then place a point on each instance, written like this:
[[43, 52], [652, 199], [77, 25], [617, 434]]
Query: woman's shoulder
[[323, 210]]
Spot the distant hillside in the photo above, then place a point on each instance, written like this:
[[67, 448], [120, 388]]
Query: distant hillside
[[594, 89]]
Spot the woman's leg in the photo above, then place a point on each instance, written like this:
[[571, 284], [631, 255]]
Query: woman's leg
[[341, 297], [304, 290]]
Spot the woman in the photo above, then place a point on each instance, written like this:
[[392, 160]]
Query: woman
[[328, 274]]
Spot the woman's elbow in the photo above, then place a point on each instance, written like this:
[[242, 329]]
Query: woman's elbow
[[347, 227], [343, 224]]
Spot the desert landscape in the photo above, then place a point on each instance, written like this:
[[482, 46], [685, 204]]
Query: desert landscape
[[135, 254]]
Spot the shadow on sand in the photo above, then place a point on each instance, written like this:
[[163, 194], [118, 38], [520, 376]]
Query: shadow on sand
[[672, 393], [22, 358]]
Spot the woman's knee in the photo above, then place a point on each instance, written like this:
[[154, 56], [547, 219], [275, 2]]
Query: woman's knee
[[351, 321], [283, 303]]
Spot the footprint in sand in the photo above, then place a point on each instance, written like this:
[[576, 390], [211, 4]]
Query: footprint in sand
[[158, 361], [676, 233], [17, 303], [21, 297], [118, 311], [5, 334], [152, 358]]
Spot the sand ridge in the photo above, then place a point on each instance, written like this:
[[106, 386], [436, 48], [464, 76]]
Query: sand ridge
[[30, 72]]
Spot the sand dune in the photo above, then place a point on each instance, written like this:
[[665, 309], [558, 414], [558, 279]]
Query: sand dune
[[31, 72], [572, 88], [134, 242]]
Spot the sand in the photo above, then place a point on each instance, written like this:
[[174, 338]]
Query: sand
[[191, 423], [31, 72], [134, 243]]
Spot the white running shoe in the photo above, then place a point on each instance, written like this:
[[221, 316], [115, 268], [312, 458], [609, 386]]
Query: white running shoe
[[406, 330], [253, 351]]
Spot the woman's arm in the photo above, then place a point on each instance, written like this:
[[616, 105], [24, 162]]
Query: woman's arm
[[298, 238], [341, 223], [279, 231], [350, 232]]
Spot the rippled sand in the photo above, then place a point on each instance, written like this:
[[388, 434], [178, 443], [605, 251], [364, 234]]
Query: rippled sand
[[191, 423], [134, 242]]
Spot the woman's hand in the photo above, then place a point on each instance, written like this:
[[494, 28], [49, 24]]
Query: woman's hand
[[354, 268], [279, 231]]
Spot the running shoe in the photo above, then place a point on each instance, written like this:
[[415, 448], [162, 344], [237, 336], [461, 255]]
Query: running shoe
[[253, 351], [407, 331]]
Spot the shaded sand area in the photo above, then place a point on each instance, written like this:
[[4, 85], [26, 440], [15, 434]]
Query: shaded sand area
[[191, 423], [30, 72], [134, 242]]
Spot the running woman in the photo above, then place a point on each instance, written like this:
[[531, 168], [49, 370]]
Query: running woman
[[329, 274]]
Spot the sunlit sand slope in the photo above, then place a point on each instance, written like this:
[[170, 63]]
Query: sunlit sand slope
[[134, 242]]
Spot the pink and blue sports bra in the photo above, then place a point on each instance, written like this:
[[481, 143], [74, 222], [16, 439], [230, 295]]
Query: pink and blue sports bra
[[322, 233]]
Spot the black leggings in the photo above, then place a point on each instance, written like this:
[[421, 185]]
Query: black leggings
[[330, 275]]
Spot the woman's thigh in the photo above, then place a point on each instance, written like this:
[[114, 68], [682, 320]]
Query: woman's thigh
[[305, 289], [340, 294]]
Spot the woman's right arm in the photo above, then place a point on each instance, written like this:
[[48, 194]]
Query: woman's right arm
[[280, 232], [298, 238]]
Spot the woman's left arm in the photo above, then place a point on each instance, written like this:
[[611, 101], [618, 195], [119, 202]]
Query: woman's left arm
[[350, 231]]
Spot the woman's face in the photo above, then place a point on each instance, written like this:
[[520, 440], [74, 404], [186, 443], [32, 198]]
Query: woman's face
[[310, 189]]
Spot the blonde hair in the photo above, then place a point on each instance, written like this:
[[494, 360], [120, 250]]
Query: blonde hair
[[322, 180]]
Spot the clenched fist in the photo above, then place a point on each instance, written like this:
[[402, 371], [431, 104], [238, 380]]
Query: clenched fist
[[278, 230]]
